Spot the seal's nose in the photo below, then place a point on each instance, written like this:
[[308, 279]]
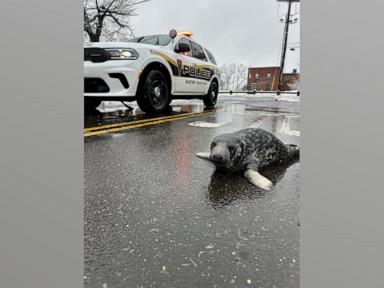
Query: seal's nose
[[217, 158]]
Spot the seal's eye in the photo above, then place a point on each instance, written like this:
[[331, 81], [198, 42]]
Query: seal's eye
[[231, 149], [213, 145]]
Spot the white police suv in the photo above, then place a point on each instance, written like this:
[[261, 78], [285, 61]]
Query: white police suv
[[151, 70]]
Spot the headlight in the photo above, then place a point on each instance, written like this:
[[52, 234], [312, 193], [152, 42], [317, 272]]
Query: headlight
[[122, 54]]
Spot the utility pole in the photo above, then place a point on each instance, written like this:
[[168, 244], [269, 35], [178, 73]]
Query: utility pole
[[285, 39]]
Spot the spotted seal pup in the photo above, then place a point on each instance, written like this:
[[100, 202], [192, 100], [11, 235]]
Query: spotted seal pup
[[248, 151]]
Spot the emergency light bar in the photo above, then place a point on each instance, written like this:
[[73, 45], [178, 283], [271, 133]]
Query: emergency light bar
[[185, 33], [173, 33]]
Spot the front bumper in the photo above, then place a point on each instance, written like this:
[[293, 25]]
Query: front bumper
[[112, 78]]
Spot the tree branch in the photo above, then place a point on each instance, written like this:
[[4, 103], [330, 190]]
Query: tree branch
[[97, 6], [138, 2], [116, 20], [116, 14], [109, 6], [128, 13]]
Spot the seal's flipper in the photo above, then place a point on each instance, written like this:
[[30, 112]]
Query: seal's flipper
[[204, 155], [257, 179]]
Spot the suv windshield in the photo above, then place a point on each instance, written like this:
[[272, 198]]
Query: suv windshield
[[159, 40]]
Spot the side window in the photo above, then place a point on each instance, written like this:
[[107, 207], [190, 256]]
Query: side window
[[164, 40], [268, 76], [198, 52], [152, 40], [210, 56], [257, 76], [184, 45]]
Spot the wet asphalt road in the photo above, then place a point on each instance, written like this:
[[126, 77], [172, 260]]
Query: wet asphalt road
[[157, 216]]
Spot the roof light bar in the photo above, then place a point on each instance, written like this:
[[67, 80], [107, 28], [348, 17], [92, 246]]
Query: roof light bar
[[185, 33]]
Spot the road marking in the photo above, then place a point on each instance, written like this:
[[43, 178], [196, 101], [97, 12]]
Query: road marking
[[141, 123], [285, 128], [256, 124], [103, 127]]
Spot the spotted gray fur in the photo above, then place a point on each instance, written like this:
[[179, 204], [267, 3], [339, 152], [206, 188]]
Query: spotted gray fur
[[248, 151]]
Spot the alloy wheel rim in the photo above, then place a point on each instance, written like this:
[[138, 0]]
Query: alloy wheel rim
[[157, 93], [214, 93]]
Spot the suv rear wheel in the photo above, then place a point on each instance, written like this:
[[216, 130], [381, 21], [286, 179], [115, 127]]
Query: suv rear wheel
[[154, 96], [211, 98]]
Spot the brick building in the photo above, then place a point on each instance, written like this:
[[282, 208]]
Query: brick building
[[291, 81], [267, 79]]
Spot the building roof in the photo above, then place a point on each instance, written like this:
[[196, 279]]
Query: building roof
[[269, 67], [292, 73]]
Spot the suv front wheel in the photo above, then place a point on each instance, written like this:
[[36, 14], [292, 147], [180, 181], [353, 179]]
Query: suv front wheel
[[211, 98], [154, 96], [90, 105]]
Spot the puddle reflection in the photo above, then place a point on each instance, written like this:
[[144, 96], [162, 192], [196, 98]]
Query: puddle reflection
[[115, 112], [192, 108], [234, 108]]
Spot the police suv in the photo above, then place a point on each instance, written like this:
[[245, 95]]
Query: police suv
[[151, 70]]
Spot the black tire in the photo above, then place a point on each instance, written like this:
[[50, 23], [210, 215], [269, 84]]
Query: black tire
[[211, 98], [91, 105], [154, 96]]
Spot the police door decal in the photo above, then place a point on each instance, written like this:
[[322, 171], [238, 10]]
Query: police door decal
[[202, 72]]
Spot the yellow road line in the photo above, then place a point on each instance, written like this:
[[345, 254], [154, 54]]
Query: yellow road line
[[102, 127], [127, 127]]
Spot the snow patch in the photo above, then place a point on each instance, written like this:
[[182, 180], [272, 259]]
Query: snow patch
[[204, 124]]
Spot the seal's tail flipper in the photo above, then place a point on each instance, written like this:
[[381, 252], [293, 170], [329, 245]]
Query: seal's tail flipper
[[204, 155], [257, 179], [293, 151]]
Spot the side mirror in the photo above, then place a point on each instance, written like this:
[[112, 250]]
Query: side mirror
[[172, 33]]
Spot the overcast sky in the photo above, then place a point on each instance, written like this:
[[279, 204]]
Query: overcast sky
[[241, 31]]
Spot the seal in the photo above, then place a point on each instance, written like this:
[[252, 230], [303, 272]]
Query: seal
[[249, 150]]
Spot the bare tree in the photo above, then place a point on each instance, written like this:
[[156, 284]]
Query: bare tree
[[233, 76], [109, 19], [240, 76], [293, 83], [225, 77]]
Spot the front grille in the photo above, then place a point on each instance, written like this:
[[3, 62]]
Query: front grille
[[95, 55], [95, 85]]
